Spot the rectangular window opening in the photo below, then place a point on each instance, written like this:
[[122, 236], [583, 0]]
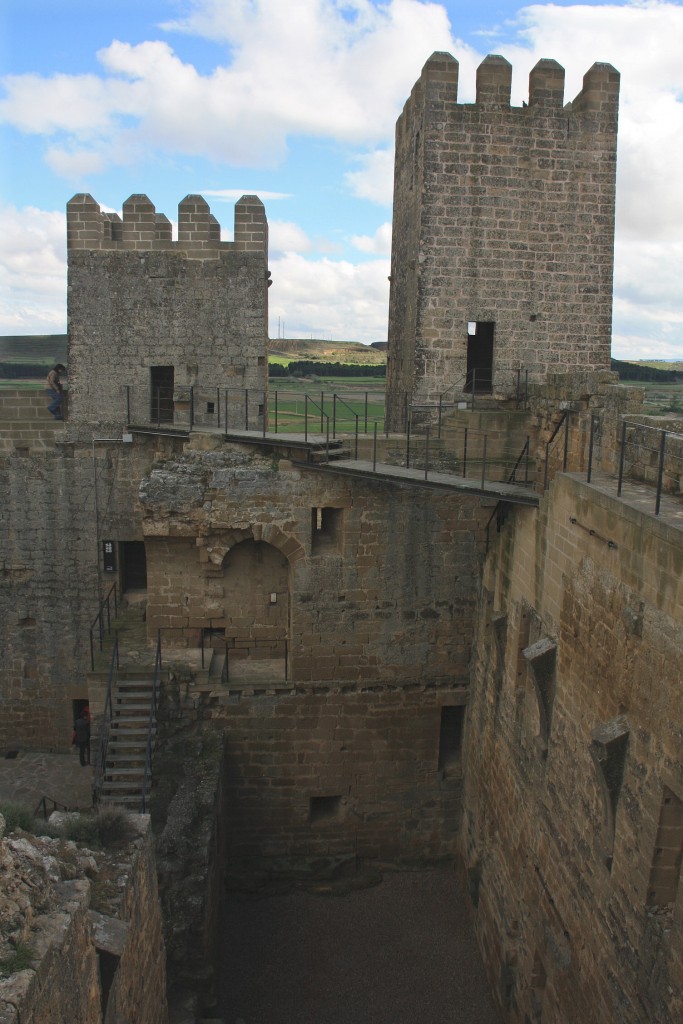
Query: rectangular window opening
[[480, 357], [450, 738], [326, 528], [323, 808], [665, 873]]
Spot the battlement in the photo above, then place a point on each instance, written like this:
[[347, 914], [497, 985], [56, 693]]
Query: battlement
[[142, 228], [437, 88]]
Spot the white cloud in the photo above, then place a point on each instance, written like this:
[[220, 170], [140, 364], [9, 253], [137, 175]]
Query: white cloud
[[337, 70], [329, 299], [379, 243], [375, 180], [32, 271], [285, 237]]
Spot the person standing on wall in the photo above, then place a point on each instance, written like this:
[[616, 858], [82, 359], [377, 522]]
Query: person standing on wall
[[55, 389]]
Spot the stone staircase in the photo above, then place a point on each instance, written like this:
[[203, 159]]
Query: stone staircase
[[123, 775]]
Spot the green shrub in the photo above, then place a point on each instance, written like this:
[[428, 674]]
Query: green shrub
[[19, 959], [19, 816], [114, 826]]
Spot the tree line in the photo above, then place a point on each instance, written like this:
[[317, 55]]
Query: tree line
[[313, 368]]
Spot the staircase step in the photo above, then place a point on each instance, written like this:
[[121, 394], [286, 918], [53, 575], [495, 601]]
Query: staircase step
[[108, 786], [121, 798], [111, 770]]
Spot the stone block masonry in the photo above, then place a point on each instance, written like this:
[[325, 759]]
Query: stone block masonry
[[502, 216]]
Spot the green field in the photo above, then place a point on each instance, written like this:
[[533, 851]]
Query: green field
[[358, 397]]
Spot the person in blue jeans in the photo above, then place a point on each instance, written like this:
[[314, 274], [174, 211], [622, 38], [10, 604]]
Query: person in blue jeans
[[55, 389]]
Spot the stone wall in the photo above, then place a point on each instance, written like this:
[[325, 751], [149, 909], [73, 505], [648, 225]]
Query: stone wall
[[574, 781], [88, 965], [380, 582], [138, 300], [502, 215], [56, 507]]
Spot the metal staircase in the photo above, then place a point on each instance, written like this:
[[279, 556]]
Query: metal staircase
[[131, 727]]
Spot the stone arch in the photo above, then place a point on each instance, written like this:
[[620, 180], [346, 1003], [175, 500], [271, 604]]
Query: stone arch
[[216, 547], [256, 593]]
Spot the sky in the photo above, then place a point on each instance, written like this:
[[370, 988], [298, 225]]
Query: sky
[[297, 102]]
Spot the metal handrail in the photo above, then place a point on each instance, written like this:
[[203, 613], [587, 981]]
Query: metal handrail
[[104, 603], [563, 419], [337, 398], [103, 740], [524, 454], [658, 451], [147, 775], [42, 805]]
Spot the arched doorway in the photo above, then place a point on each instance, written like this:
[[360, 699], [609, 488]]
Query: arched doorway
[[257, 607]]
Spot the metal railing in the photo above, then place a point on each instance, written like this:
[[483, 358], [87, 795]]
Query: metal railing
[[564, 420], [277, 410], [105, 726], [147, 774], [653, 456], [99, 622], [41, 807]]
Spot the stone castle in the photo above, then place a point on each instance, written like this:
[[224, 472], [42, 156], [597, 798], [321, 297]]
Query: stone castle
[[457, 638]]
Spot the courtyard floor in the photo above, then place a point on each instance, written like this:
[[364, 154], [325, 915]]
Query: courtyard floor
[[400, 952]]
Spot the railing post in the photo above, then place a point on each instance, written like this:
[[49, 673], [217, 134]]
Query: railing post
[[590, 449], [276, 411], [286, 659], [334, 414], [464, 455], [246, 408], [374, 449], [526, 463], [366, 413], [408, 425], [128, 403], [322, 411], [306, 418], [517, 399], [474, 386], [226, 410], [406, 417], [327, 439], [218, 406], [356, 444], [265, 411], [427, 453], [660, 474], [440, 412], [622, 454], [565, 457], [483, 465]]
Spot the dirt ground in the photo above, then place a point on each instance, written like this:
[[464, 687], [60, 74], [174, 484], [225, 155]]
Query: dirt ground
[[400, 952]]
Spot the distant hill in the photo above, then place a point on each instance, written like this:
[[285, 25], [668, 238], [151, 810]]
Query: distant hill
[[312, 349], [656, 371]]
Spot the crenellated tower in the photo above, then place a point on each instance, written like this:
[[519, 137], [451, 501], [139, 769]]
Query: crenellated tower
[[503, 231], [155, 316]]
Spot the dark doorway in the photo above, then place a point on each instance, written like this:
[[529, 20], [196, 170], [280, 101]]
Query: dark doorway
[[162, 383], [480, 356], [133, 565]]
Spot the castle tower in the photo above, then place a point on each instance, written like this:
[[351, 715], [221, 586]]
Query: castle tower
[[150, 316], [503, 231]]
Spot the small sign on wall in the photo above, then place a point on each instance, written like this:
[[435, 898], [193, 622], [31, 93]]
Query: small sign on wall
[[109, 555]]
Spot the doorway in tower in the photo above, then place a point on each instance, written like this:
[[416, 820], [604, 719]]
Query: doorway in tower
[[257, 611], [161, 380], [133, 565], [480, 356]]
